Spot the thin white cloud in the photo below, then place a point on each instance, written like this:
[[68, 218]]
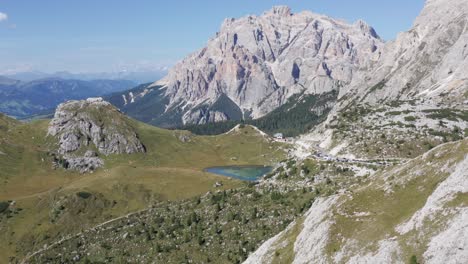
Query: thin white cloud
[[3, 16]]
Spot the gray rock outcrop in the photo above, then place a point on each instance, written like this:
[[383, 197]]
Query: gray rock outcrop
[[82, 164], [92, 127]]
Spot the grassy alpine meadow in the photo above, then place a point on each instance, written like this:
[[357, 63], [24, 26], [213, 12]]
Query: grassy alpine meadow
[[47, 203]]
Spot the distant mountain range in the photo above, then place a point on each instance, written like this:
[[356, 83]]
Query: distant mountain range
[[136, 76], [21, 99]]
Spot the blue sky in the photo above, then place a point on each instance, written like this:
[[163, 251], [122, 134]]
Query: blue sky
[[108, 35]]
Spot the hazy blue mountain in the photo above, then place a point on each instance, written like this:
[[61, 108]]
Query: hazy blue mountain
[[21, 99], [142, 76], [5, 81]]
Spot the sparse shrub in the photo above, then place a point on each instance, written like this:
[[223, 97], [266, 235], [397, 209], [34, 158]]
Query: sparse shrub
[[410, 118], [84, 195], [413, 260], [276, 196], [4, 206], [106, 246]]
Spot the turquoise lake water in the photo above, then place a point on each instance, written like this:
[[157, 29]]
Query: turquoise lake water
[[245, 173]]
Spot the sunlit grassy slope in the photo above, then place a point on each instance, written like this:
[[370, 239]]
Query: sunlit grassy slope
[[46, 202]]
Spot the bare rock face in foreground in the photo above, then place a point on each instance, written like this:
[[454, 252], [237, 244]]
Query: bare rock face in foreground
[[87, 128]]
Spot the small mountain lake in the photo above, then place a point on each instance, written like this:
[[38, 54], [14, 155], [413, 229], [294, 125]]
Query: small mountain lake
[[245, 173]]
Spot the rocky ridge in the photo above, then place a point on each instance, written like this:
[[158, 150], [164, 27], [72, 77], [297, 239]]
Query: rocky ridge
[[417, 91], [427, 62]]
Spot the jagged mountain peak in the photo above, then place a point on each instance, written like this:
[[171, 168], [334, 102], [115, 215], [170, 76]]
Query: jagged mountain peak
[[259, 62], [280, 10], [366, 28]]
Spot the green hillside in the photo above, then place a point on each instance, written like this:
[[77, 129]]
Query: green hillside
[[46, 203]]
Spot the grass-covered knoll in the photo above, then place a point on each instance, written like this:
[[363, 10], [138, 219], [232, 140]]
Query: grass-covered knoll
[[171, 169]]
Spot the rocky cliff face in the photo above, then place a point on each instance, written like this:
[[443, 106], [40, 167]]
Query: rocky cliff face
[[258, 62], [87, 128], [427, 62]]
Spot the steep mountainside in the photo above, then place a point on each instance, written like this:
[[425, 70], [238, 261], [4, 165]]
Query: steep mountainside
[[255, 63], [428, 62], [415, 96], [150, 107], [21, 99], [414, 211]]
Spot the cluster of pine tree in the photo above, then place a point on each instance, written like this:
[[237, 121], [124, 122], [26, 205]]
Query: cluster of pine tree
[[291, 119]]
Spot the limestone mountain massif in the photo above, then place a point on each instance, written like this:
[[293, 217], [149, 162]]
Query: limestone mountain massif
[[254, 64]]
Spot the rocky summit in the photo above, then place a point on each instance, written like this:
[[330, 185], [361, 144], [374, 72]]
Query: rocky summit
[[255, 63], [90, 127]]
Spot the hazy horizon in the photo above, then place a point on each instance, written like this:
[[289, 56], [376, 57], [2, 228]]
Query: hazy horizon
[[94, 37]]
